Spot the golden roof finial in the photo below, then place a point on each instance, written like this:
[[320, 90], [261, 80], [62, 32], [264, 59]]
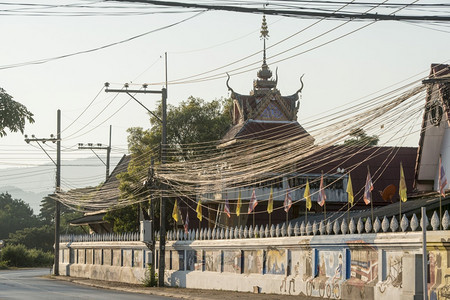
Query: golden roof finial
[[264, 29]]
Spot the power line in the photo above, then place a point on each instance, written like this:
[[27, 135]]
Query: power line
[[293, 13]]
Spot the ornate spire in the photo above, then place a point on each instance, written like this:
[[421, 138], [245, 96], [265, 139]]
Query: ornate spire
[[264, 36], [264, 74]]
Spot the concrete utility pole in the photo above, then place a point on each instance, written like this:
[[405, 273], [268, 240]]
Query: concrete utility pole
[[163, 120], [56, 140], [93, 147]]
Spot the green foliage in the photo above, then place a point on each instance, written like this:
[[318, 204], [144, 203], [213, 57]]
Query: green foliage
[[148, 281], [36, 237], [192, 121], [15, 215], [124, 219], [360, 138], [47, 215], [3, 265], [13, 115], [20, 256]]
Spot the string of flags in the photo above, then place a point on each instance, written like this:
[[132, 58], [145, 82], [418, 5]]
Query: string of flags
[[287, 204]]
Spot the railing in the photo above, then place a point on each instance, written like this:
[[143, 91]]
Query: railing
[[322, 228], [106, 237], [335, 227]]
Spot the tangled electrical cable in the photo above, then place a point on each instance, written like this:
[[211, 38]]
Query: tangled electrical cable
[[211, 171]]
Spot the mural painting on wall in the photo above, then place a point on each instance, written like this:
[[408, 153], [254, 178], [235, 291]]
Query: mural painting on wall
[[434, 274], [168, 259], [212, 261], [394, 272], [276, 261], [297, 261], [363, 271], [444, 292], [327, 283], [232, 261], [289, 286], [191, 260], [199, 261], [253, 261], [178, 260]]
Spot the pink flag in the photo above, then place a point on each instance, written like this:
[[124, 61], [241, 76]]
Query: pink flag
[[368, 189], [287, 200], [253, 202], [186, 223], [227, 208], [322, 196], [442, 178]]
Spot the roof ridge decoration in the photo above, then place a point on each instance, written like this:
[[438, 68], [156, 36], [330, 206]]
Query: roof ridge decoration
[[264, 100]]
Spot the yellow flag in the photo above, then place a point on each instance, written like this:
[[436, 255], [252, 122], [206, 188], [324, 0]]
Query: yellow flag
[[307, 196], [402, 185], [239, 204], [199, 210], [270, 204], [350, 190], [175, 215]]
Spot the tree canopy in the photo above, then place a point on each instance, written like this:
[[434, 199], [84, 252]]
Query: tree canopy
[[15, 215], [13, 115], [360, 138], [192, 121]]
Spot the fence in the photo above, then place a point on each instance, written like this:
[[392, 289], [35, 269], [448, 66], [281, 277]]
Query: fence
[[339, 260]]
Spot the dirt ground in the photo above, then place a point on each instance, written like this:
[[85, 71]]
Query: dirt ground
[[179, 293]]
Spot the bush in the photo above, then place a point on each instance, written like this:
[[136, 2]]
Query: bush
[[15, 255], [20, 256], [40, 258], [3, 265], [36, 237]]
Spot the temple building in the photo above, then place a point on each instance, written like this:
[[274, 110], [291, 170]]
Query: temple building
[[266, 115]]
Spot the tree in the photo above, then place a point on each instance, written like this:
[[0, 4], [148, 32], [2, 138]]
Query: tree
[[360, 138], [41, 238], [192, 121], [13, 115], [15, 215], [47, 215]]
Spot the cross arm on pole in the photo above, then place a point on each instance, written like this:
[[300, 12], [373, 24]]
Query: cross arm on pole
[[144, 91]]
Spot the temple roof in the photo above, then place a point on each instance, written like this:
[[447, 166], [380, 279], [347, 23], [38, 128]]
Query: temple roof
[[265, 130], [264, 113]]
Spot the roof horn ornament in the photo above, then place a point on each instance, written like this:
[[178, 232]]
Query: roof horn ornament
[[229, 87], [301, 88]]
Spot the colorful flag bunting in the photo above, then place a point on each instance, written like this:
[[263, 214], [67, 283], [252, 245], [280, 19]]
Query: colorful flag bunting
[[199, 210], [287, 200], [186, 223], [350, 190], [227, 208], [270, 203], [253, 202], [175, 214], [322, 197], [307, 196], [368, 189], [442, 178], [402, 185]]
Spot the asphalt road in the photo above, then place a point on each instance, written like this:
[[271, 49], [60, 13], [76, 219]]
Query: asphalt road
[[30, 284]]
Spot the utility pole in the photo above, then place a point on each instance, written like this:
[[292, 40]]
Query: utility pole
[[56, 140], [93, 147], [152, 220], [163, 120]]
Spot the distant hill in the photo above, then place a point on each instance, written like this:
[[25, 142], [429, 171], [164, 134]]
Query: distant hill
[[31, 184], [33, 199]]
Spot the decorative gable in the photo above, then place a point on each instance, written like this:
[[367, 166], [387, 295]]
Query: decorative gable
[[272, 113]]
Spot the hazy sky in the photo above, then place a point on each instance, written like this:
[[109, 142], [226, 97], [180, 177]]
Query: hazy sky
[[340, 72]]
